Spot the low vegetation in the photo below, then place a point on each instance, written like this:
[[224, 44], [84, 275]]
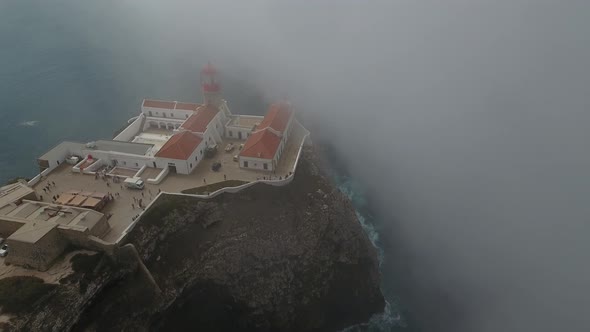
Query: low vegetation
[[213, 187], [83, 266], [84, 263], [20, 294]]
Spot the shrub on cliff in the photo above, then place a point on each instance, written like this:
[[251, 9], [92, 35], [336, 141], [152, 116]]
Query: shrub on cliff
[[17, 294]]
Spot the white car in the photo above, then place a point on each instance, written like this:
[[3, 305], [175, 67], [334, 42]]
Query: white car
[[134, 183], [4, 250]]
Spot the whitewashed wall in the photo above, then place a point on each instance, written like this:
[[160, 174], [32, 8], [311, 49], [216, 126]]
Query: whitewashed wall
[[123, 159], [131, 131], [181, 165], [257, 163], [196, 157], [163, 122], [166, 113], [59, 153], [234, 132], [161, 176]]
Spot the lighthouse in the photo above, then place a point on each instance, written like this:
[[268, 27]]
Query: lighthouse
[[210, 86]]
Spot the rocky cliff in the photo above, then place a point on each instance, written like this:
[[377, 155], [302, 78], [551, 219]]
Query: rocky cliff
[[291, 258]]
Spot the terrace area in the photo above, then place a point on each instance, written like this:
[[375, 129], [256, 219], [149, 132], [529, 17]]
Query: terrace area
[[124, 207], [246, 121], [155, 136]]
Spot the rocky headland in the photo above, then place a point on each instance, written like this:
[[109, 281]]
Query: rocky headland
[[291, 258]]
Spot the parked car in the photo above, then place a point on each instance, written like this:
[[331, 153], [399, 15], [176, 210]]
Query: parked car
[[229, 147], [4, 250], [73, 160], [236, 157], [216, 166]]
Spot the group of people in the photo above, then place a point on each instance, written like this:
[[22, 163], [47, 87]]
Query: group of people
[[48, 186], [270, 177], [111, 197], [101, 174], [138, 202]]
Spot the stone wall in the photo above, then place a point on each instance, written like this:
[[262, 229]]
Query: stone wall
[[85, 240], [101, 227], [8, 227], [39, 255]]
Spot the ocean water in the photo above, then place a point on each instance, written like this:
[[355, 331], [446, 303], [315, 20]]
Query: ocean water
[[391, 319], [395, 316], [76, 71], [73, 71]]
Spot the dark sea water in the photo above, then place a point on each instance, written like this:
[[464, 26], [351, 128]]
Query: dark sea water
[[393, 318], [71, 71]]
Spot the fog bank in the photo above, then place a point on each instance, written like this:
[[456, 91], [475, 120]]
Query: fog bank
[[469, 119]]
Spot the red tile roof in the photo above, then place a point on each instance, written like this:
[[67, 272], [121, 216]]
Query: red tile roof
[[262, 144], [187, 106], [277, 117], [180, 146], [159, 104], [198, 122]]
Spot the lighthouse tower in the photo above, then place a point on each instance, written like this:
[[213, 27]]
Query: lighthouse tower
[[210, 86]]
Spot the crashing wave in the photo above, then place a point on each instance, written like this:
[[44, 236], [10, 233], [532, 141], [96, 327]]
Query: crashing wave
[[390, 317], [29, 123]]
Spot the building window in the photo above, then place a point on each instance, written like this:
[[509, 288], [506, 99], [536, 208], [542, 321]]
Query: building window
[[157, 113], [197, 156], [245, 164], [136, 164], [191, 165], [124, 163], [171, 115], [186, 116], [231, 134], [201, 152], [265, 166], [150, 113]]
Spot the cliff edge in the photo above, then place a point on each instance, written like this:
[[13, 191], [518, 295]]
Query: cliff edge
[[291, 258]]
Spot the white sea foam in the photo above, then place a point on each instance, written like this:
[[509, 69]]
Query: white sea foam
[[390, 317], [29, 123]]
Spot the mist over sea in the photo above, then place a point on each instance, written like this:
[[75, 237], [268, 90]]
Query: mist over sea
[[56, 85], [460, 129], [73, 71]]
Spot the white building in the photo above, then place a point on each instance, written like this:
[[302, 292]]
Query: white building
[[265, 145], [174, 135]]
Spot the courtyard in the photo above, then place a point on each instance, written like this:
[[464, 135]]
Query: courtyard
[[124, 208]]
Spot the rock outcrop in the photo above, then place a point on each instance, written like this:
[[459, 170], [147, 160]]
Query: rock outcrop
[[291, 258]]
